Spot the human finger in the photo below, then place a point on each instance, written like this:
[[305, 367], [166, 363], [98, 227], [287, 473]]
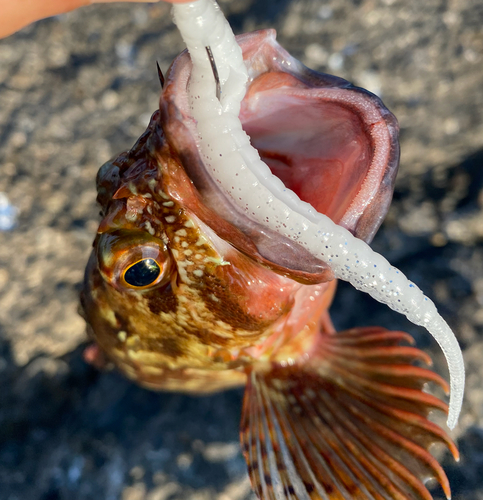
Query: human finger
[[18, 14]]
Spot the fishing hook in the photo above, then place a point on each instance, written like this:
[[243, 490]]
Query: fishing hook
[[215, 71]]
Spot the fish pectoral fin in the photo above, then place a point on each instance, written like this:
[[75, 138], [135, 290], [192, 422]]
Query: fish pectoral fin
[[350, 422]]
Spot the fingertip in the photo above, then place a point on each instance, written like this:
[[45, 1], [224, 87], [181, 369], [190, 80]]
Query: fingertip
[[17, 15]]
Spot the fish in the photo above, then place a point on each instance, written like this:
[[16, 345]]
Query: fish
[[183, 292]]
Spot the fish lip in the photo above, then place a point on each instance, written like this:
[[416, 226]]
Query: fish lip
[[367, 209]]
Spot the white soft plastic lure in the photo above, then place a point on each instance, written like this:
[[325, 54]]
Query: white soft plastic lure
[[247, 180]]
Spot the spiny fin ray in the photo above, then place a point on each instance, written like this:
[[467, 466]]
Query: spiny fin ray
[[325, 429]]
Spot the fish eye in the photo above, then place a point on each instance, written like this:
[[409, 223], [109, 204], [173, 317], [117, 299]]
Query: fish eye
[[133, 260], [142, 273]]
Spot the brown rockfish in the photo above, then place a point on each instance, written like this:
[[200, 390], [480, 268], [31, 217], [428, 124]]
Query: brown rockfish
[[183, 292]]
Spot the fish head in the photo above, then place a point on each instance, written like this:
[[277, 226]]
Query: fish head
[[181, 284], [172, 290]]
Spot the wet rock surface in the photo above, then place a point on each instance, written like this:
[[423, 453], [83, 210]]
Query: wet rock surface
[[75, 90]]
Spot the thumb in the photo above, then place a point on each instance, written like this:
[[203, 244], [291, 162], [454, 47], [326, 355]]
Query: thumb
[[17, 14]]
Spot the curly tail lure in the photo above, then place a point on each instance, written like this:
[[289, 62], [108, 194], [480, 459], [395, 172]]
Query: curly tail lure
[[236, 165]]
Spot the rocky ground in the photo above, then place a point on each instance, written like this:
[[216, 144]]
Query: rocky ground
[[76, 89]]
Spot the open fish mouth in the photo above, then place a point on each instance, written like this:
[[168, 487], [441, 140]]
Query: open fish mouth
[[334, 145], [235, 165], [331, 143]]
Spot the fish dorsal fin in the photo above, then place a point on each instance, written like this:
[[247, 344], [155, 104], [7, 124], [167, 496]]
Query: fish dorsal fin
[[348, 423]]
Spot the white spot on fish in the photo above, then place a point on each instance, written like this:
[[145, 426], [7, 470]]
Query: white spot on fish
[[150, 228], [201, 241], [184, 275], [132, 216], [218, 261], [132, 188]]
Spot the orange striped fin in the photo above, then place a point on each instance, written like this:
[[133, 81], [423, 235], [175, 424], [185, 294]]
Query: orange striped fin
[[350, 422]]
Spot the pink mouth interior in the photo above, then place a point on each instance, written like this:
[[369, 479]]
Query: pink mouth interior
[[316, 144]]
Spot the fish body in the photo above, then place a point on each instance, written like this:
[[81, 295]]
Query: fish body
[[184, 292]]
